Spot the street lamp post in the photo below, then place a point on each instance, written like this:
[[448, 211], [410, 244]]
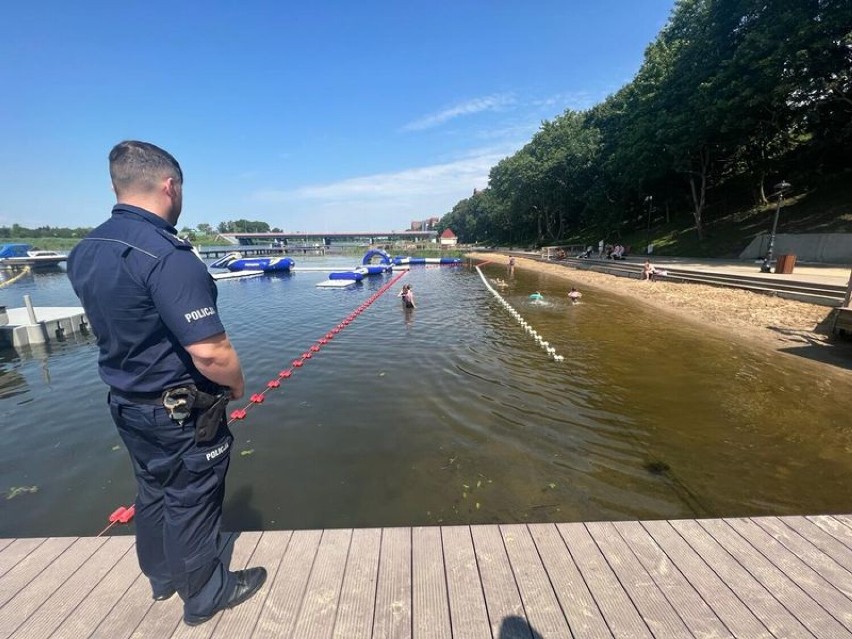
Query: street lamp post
[[779, 191], [650, 201]]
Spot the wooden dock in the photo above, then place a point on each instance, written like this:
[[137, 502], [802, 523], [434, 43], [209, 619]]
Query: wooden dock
[[750, 578]]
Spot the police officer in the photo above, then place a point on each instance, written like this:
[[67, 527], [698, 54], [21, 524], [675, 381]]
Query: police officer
[[151, 304]]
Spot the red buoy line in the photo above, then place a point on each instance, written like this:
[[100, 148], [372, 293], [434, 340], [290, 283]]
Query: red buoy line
[[122, 514], [309, 353]]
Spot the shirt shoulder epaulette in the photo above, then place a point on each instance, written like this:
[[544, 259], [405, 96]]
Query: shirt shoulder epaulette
[[174, 240]]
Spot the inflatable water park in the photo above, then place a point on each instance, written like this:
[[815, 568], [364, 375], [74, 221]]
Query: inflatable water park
[[374, 262]]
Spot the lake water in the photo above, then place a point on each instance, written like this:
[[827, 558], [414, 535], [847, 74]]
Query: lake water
[[448, 414]]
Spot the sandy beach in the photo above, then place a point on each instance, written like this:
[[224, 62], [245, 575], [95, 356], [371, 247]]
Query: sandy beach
[[791, 328]]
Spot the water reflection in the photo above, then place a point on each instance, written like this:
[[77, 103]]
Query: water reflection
[[11, 383]]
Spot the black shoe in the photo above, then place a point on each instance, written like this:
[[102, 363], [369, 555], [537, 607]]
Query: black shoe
[[164, 595], [248, 582]]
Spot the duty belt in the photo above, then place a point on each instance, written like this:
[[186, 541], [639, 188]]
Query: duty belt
[[155, 399]]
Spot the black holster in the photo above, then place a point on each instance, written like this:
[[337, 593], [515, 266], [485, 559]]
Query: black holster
[[209, 419], [208, 409]]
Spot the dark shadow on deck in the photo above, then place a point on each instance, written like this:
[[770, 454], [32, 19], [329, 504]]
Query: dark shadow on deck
[[517, 628]]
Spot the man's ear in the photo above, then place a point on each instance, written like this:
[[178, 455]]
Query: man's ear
[[170, 187]]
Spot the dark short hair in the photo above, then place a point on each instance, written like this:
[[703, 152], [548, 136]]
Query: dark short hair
[[139, 166]]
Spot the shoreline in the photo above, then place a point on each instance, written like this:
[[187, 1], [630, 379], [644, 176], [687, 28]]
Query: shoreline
[[786, 327]]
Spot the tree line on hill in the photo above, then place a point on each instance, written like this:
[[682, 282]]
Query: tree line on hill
[[732, 97]]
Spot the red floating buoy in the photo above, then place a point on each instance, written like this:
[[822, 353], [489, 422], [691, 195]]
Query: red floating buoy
[[315, 348], [127, 515], [273, 383], [238, 414], [257, 398], [297, 363], [117, 513], [286, 374]]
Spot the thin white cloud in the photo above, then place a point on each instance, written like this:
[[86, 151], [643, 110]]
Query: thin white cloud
[[462, 174], [477, 105], [381, 201]]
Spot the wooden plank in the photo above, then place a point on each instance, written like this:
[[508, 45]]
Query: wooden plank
[[621, 615], [839, 606], [734, 614], [581, 611], [845, 519], [4, 543], [392, 618], [823, 540], [27, 561], [237, 551], [696, 614], [540, 602], [430, 614], [767, 592], [240, 621], [468, 614], [279, 613], [356, 610], [74, 590], [83, 620], [319, 608], [836, 527], [130, 610], [502, 598], [805, 547], [358, 595], [13, 554], [19, 608], [649, 600]]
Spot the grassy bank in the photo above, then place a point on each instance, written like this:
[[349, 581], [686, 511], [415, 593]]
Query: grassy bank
[[729, 226]]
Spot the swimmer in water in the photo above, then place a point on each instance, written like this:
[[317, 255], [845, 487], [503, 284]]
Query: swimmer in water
[[407, 296], [574, 295], [536, 296]]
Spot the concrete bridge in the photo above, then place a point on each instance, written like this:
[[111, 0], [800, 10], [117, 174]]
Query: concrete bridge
[[306, 238]]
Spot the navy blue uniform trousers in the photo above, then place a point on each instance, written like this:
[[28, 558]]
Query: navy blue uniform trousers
[[181, 487]]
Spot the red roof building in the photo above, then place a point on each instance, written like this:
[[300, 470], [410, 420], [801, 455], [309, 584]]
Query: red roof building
[[448, 238]]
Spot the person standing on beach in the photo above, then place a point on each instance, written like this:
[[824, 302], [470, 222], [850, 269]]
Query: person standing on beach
[[170, 369]]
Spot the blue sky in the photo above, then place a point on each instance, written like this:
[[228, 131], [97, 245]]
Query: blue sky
[[328, 116]]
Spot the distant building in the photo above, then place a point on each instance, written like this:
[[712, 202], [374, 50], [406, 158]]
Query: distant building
[[424, 225], [448, 238]]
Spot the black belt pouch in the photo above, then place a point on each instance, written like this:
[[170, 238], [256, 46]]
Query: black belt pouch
[[210, 419]]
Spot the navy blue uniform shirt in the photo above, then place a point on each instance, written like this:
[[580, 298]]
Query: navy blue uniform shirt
[[147, 295]]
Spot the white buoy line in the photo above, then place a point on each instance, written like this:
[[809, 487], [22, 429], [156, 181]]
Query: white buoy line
[[545, 345]]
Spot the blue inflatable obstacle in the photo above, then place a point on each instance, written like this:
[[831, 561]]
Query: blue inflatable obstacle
[[383, 256], [356, 275], [367, 268], [236, 262]]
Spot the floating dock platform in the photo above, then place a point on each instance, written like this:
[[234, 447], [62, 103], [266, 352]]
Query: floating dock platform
[[36, 326]]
